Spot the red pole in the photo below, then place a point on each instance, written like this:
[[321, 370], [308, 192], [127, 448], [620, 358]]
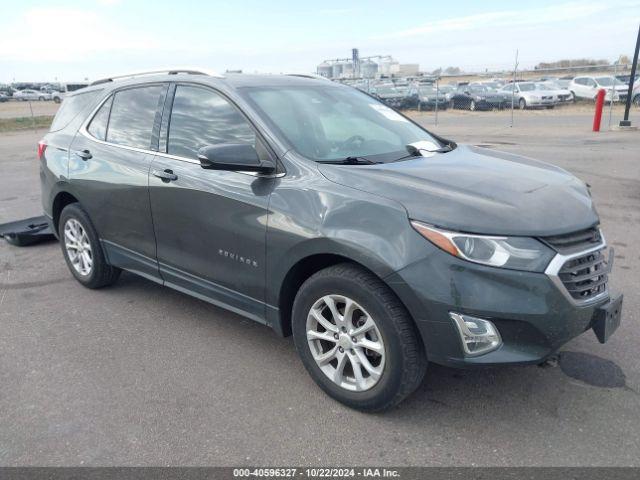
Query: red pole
[[597, 116]]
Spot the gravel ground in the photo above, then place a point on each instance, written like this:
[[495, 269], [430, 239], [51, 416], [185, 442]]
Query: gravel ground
[[138, 374]]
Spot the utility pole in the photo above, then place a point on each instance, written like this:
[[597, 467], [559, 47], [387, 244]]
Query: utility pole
[[513, 86], [626, 122]]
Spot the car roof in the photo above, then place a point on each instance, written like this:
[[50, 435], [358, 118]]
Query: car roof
[[229, 82]]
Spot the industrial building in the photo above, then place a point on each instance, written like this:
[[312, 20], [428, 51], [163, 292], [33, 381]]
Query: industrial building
[[373, 66]]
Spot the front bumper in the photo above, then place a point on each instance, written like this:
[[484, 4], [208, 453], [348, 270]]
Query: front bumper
[[532, 314]]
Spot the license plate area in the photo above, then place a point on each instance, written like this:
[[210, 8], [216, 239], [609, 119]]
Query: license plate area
[[606, 318]]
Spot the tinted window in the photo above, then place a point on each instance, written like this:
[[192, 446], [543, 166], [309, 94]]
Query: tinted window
[[70, 108], [132, 115], [201, 117], [98, 126]]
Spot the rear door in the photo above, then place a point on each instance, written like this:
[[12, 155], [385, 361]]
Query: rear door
[[109, 167], [210, 225]]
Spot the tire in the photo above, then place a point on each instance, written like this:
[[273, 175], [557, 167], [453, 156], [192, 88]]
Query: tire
[[402, 364], [452, 104], [100, 274], [522, 103], [636, 100], [472, 105], [57, 99], [41, 99]]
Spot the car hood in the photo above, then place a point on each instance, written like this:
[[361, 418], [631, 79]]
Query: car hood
[[478, 190]]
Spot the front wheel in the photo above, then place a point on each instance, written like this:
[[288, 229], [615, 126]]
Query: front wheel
[[82, 250], [522, 103], [356, 339]]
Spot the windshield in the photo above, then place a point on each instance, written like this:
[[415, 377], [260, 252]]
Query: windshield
[[386, 90], [332, 123], [427, 90], [478, 88], [605, 81], [527, 87]]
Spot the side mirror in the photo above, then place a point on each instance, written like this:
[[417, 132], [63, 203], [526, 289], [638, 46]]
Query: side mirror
[[233, 156]]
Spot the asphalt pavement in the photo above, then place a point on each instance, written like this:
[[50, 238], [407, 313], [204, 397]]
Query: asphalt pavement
[[138, 374]]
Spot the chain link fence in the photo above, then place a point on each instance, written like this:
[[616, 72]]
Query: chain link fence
[[511, 95]]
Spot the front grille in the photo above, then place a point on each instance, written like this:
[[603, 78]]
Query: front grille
[[585, 276], [575, 241]]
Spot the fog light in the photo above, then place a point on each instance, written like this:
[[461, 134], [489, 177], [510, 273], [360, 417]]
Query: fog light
[[478, 336]]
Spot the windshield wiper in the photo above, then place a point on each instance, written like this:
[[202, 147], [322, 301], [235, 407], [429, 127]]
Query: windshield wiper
[[415, 151], [350, 161]]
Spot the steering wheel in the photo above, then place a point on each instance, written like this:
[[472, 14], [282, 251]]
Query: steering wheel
[[353, 141]]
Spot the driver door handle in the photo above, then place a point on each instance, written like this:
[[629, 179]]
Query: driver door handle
[[165, 175]]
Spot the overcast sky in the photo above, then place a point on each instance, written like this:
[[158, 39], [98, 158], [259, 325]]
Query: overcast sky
[[71, 40]]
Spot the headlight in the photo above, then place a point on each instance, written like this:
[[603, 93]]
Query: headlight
[[534, 97], [517, 253]]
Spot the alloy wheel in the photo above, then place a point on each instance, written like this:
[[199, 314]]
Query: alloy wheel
[[78, 246], [345, 342]]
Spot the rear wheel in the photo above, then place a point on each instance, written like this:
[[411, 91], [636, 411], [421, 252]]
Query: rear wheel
[[82, 250], [355, 338], [522, 104]]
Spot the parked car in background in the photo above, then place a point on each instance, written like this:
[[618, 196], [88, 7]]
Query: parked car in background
[[425, 97], [476, 96], [626, 78], [494, 85], [31, 95], [635, 94], [527, 95], [3, 98], [586, 88], [65, 88], [562, 95], [390, 95], [447, 91]]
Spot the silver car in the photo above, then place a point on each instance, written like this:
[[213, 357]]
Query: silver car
[[527, 95]]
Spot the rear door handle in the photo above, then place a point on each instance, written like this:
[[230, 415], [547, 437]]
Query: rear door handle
[[83, 154], [165, 175]]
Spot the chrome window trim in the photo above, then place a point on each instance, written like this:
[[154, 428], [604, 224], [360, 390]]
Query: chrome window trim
[[83, 131], [556, 264]]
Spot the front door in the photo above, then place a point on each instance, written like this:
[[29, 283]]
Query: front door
[[210, 225]]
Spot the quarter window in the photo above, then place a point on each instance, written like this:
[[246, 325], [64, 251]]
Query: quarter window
[[201, 117], [98, 126], [70, 109], [132, 116]]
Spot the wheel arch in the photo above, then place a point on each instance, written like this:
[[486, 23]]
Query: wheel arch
[[304, 268], [61, 200]]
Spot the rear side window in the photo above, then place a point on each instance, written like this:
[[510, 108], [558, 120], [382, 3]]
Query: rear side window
[[70, 108], [201, 117], [132, 116], [98, 126]]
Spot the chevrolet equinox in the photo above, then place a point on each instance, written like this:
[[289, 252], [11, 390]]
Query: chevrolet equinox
[[313, 208]]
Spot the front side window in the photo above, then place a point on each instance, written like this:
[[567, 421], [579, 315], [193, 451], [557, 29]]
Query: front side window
[[132, 115], [201, 117], [331, 122]]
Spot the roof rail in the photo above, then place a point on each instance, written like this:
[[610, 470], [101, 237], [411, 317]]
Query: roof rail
[[168, 71], [307, 75]]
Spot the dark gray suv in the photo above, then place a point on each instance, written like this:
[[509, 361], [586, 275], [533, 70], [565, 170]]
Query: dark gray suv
[[315, 209]]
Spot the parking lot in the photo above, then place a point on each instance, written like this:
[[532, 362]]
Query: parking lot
[[138, 374]]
